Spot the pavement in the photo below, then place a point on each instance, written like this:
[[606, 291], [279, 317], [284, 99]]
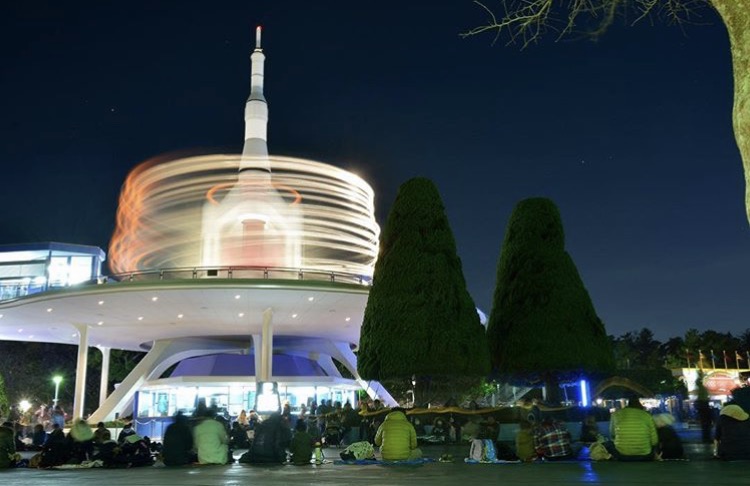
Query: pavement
[[699, 469]]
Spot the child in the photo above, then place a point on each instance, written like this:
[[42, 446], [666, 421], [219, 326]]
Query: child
[[301, 447], [589, 429], [525, 442]]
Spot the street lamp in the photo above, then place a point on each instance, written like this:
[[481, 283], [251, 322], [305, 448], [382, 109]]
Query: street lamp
[[24, 406], [57, 379]]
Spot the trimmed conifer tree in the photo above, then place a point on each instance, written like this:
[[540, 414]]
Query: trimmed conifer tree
[[420, 320], [4, 402], [543, 326]]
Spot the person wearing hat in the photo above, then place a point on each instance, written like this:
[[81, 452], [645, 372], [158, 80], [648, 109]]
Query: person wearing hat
[[733, 434], [670, 445]]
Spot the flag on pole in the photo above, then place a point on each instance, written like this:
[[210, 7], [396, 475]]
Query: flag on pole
[[700, 359], [687, 356], [737, 359], [726, 366]]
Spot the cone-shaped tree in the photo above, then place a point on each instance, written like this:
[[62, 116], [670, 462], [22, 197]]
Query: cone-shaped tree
[[420, 320], [543, 325]]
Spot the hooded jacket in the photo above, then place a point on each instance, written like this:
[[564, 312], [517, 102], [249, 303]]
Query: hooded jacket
[[396, 437]]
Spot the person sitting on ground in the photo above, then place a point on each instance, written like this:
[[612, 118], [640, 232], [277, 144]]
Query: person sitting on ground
[[238, 437], [101, 434], [439, 429], [7, 446], [211, 440], [126, 431], [525, 442], [733, 434], [81, 441], [38, 438], [552, 441], [589, 429], [252, 419], [178, 443], [634, 433], [242, 419], [272, 437], [670, 445], [301, 446], [397, 438], [472, 429], [56, 450], [489, 429]]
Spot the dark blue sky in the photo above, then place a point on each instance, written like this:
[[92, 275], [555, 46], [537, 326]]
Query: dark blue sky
[[631, 135]]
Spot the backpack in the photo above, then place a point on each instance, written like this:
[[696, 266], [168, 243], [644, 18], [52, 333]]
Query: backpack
[[482, 450]]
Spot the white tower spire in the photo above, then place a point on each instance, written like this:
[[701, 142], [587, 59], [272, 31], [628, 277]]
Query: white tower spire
[[255, 151]]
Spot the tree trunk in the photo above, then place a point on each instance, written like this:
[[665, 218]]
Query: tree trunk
[[736, 17]]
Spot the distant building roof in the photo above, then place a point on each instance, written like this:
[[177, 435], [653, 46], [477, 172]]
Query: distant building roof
[[40, 250]]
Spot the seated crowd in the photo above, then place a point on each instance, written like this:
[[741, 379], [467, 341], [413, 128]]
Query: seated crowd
[[207, 438]]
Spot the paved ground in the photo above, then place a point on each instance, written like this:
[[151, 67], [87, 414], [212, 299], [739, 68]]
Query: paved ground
[[699, 470]]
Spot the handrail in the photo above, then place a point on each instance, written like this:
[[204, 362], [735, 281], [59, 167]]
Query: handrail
[[243, 272]]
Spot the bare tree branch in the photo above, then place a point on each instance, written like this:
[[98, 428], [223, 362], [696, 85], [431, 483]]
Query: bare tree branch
[[525, 21]]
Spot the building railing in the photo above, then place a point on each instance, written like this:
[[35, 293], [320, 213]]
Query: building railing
[[14, 290], [244, 272]]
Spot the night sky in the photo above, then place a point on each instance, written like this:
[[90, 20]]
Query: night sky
[[631, 136]]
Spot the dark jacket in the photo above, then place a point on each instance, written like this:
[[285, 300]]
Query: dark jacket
[[272, 436], [7, 447], [178, 443], [670, 444], [301, 448], [734, 438]]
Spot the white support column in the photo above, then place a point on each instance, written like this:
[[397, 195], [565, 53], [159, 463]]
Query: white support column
[[257, 339], [266, 348], [80, 391], [104, 382]]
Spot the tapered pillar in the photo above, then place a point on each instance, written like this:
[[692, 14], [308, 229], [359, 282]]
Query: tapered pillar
[[104, 382], [266, 347], [82, 362]]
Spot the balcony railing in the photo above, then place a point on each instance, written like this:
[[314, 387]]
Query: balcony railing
[[235, 272]]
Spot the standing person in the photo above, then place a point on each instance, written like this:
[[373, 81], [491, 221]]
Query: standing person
[[301, 446], [178, 443], [211, 441], [350, 422], [733, 434], [397, 438], [58, 416], [40, 414], [634, 433]]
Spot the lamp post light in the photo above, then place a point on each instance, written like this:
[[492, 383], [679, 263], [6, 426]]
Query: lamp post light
[[24, 406], [57, 380]]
